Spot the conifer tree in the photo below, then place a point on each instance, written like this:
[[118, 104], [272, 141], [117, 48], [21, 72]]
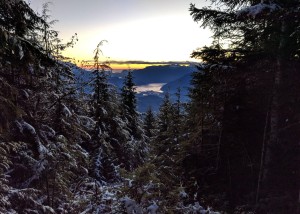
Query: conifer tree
[[100, 90], [165, 115], [129, 102], [265, 46], [44, 163], [177, 116], [104, 157], [136, 146], [165, 151], [149, 123]]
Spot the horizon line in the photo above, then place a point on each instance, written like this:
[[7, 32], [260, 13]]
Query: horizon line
[[119, 65], [142, 62]]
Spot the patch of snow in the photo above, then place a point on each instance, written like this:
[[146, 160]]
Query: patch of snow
[[66, 123], [129, 182], [47, 209], [23, 126], [108, 195], [183, 194], [66, 111], [104, 112], [31, 69], [89, 208], [21, 52], [61, 138], [42, 150], [51, 132], [209, 211], [197, 207], [82, 151], [253, 11], [25, 94], [87, 121], [152, 209], [131, 206]]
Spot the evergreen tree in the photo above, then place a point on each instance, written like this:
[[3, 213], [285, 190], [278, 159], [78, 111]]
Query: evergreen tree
[[129, 102], [261, 49], [136, 146], [104, 156], [149, 123], [178, 116], [100, 95], [38, 84], [165, 146], [164, 116]]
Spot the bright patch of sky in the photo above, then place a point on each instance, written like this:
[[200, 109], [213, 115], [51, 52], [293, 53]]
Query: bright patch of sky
[[148, 30]]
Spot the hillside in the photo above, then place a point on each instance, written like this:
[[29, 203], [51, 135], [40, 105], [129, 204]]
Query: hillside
[[160, 74], [173, 77]]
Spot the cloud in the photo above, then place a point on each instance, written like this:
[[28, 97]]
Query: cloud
[[134, 64], [139, 62]]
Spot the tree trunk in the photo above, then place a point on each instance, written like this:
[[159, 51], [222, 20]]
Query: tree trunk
[[262, 158], [274, 113], [298, 205]]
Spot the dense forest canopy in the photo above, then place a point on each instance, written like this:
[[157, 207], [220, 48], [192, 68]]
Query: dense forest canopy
[[234, 147], [248, 91]]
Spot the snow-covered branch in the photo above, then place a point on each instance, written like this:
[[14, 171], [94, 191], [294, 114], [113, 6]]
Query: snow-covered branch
[[258, 9]]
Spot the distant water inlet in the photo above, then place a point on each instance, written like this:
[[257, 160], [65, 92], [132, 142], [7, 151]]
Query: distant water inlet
[[156, 87]]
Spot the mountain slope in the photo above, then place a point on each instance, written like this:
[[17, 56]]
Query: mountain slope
[[174, 76], [160, 74]]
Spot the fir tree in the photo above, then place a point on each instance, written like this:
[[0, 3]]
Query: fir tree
[[104, 155], [149, 123], [129, 102], [136, 146], [45, 161], [261, 48], [164, 116]]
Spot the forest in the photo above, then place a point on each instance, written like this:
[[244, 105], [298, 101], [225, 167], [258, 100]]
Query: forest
[[233, 148]]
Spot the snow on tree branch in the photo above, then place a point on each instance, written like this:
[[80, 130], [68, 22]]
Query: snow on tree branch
[[258, 9]]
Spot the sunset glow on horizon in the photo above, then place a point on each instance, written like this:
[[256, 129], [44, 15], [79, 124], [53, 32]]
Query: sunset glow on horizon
[[136, 30], [130, 65]]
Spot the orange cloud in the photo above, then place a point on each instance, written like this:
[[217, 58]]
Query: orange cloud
[[123, 65]]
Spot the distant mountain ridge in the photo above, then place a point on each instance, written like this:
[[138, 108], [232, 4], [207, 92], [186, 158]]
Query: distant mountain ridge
[[160, 74], [183, 83], [174, 77]]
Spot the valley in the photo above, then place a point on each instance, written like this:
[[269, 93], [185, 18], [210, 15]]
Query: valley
[[152, 83]]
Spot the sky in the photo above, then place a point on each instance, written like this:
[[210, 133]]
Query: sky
[[135, 30]]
